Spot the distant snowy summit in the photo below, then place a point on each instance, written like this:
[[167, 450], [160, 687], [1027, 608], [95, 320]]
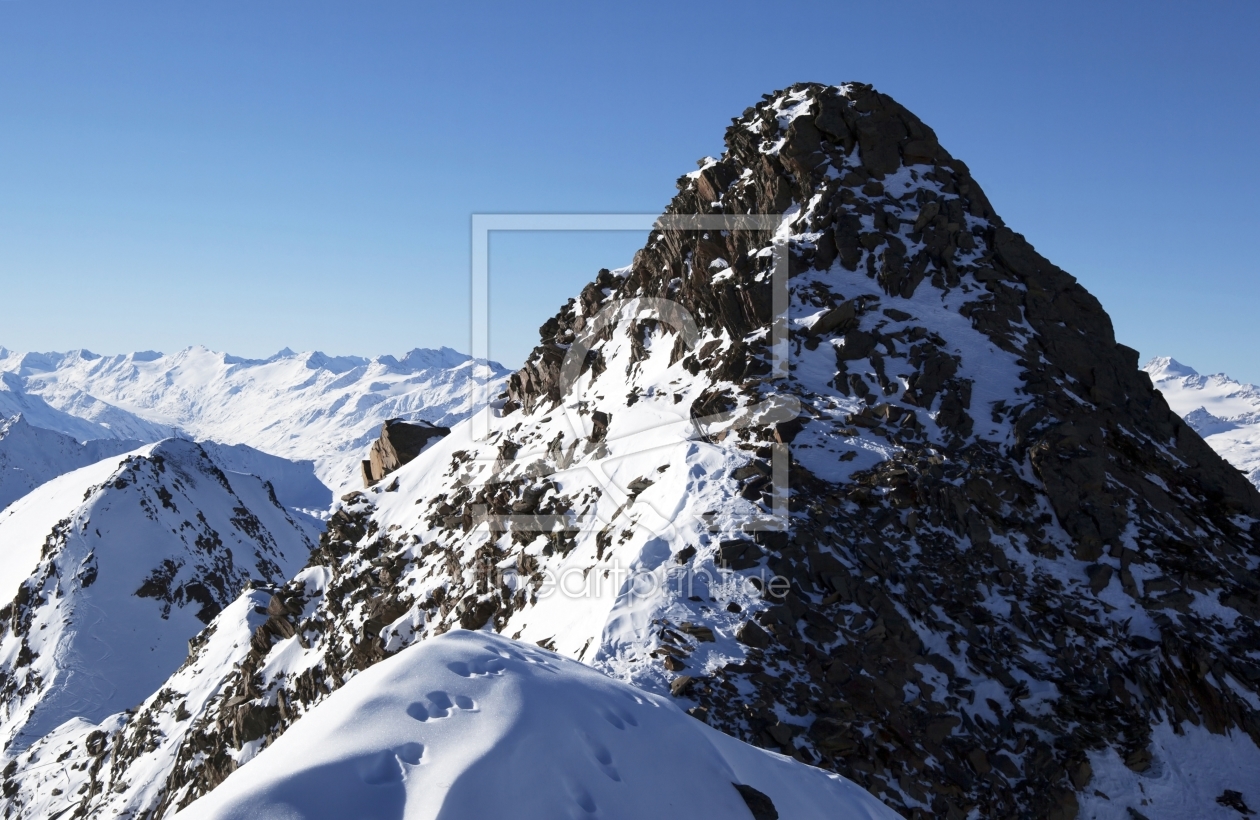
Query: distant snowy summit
[[1224, 411], [301, 406]]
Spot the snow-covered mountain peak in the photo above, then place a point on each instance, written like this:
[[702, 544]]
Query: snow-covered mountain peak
[[113, 567], [1162, 367], [981, 569], [1226, 412]]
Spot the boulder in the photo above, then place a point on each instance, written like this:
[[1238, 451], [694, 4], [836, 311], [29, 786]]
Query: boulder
[[399, 443]]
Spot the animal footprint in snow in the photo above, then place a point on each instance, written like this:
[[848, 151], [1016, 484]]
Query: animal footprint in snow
[[619, 717], [506, 654], [525, 656], [602, 756], [582, 797], [440, 705], [638, 701], [410, 753], [386, 767], [481, 667]]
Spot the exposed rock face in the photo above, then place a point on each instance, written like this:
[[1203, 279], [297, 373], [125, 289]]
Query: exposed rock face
[[399, 443], [1007, 558]]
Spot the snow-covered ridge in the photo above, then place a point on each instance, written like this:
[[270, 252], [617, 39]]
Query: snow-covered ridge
[[84, 419], [301, 406], [475, 725], [1226, 412]]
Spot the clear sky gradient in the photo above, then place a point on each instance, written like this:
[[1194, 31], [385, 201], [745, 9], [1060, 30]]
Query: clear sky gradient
[[255, 175]]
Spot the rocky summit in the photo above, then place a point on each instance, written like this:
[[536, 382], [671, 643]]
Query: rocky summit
[[980, 568]]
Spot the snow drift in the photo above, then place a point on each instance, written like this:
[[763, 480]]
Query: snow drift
[[473, 725]]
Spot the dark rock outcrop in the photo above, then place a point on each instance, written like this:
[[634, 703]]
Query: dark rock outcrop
[[400, 442]]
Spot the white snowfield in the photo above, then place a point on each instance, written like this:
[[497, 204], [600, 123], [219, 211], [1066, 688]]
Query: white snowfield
[[301, 406], [474, 725], [1224, 411], [112, 568]]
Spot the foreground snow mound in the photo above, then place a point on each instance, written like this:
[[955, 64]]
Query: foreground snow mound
[[296, 405], [1224, 411], [112, 568], [30, 456], [475, 725]]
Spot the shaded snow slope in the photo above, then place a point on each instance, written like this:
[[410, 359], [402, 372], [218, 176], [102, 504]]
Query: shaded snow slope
[[474, 725], [158, 727], [1224, 411], [30, 456], [301, 406], [294, 482], [112, 568], [1191, 767]]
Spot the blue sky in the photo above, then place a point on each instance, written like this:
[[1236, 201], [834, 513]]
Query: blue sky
[[251, 175]]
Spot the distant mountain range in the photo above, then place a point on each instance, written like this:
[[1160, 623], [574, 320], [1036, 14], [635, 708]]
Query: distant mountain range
[[301, 406], [1224, 411]]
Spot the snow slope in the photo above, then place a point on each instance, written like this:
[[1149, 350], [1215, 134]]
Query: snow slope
[[30, 456], [160, 725], [294, 482], [1224, 411], [113, 567], [301, 406], [476, 725]]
